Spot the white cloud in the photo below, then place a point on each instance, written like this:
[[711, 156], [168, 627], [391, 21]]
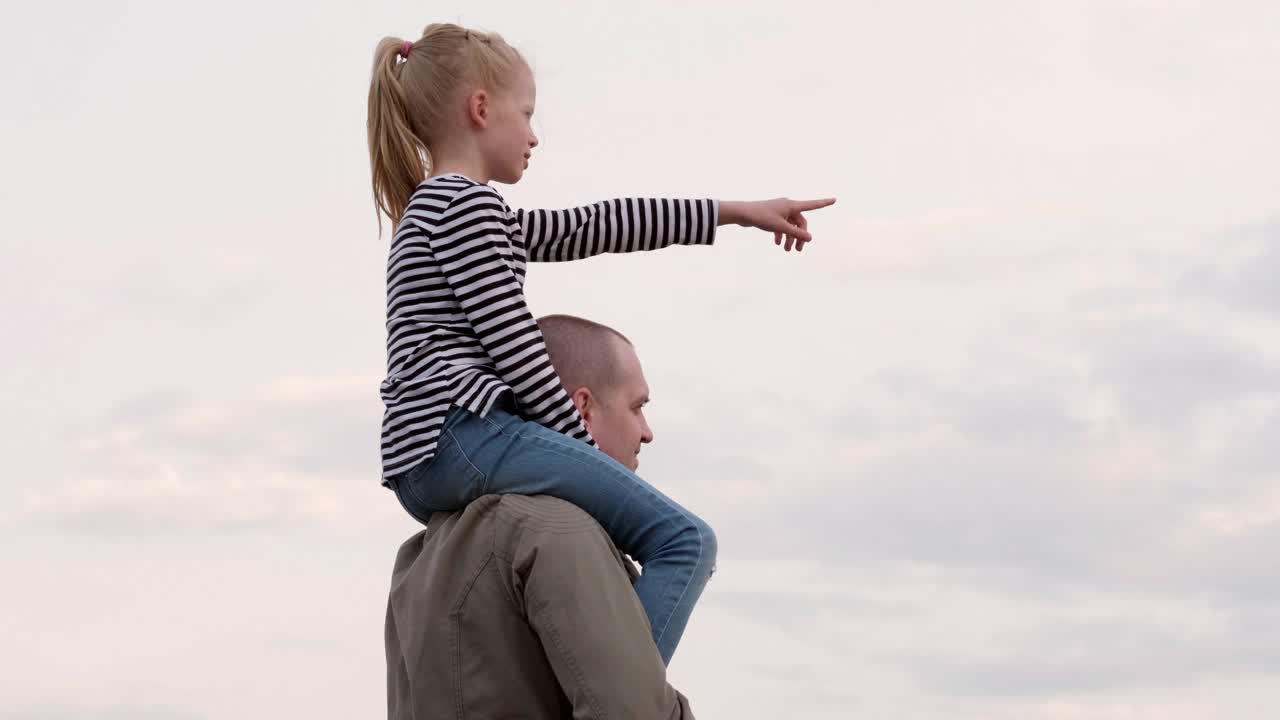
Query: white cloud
[[1243, 272], [299, 450]]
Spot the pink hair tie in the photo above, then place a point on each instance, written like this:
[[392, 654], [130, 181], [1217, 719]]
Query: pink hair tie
[[405, 48]]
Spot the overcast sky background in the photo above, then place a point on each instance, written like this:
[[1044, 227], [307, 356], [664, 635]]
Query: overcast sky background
[[1002, 443]]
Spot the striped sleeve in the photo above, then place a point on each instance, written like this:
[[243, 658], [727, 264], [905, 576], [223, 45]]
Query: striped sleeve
[[617, 226], [471, 246]]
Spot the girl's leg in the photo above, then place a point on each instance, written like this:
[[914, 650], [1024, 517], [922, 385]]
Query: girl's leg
[[512, 456]]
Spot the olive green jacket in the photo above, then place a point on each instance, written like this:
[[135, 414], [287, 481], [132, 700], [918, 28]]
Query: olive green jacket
[[520, 607]]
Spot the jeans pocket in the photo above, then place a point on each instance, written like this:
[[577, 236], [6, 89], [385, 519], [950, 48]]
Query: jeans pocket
[[446, 482]]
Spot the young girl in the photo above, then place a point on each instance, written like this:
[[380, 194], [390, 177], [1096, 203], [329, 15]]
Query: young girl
[[473, 405]]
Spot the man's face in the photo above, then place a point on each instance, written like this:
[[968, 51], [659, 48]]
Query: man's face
[[615, 415]]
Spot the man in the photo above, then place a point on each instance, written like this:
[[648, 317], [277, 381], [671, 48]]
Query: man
[[521, 606]]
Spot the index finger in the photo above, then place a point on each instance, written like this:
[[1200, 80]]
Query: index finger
[[804, 205]]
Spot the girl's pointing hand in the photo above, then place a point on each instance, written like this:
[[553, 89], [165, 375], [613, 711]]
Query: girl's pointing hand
[[781, 216]]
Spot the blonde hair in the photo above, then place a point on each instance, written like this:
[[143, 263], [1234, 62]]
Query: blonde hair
[[408, 97]]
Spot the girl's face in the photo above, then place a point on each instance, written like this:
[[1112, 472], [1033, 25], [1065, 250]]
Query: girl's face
[[509, 138]]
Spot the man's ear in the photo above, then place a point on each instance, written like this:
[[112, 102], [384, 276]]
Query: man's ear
[[478, 108], [585, 402]]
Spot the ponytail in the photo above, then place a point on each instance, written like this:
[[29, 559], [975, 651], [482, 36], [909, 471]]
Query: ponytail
[[397, 157]]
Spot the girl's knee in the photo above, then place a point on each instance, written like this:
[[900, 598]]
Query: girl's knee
[[700, 533], [709, 542], [709, 549]]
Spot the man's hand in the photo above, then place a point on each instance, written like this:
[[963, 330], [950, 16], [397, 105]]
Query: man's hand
[[781, 216]]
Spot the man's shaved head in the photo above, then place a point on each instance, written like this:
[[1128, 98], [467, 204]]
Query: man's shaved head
[[602, 374], [583, 353], [599, 369]]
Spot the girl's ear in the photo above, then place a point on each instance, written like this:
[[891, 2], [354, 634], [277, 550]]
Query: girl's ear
[[478, 108]]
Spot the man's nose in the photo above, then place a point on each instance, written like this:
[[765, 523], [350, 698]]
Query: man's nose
[[646, 435], [533, 141]]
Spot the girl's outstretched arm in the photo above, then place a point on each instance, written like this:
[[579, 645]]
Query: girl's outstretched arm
[[634, 224], [617, 226]]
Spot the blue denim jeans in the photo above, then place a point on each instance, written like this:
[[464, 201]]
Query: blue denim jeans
[[505, 454]]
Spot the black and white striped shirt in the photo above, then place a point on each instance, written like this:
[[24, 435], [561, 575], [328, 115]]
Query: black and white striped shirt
[[458, 328]]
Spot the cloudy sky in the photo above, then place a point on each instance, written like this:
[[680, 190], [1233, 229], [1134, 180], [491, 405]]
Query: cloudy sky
[[1002, 443]]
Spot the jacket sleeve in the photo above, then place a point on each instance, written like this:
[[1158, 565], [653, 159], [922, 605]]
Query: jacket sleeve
[[617, 226], [579, 600], [472, 248]]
